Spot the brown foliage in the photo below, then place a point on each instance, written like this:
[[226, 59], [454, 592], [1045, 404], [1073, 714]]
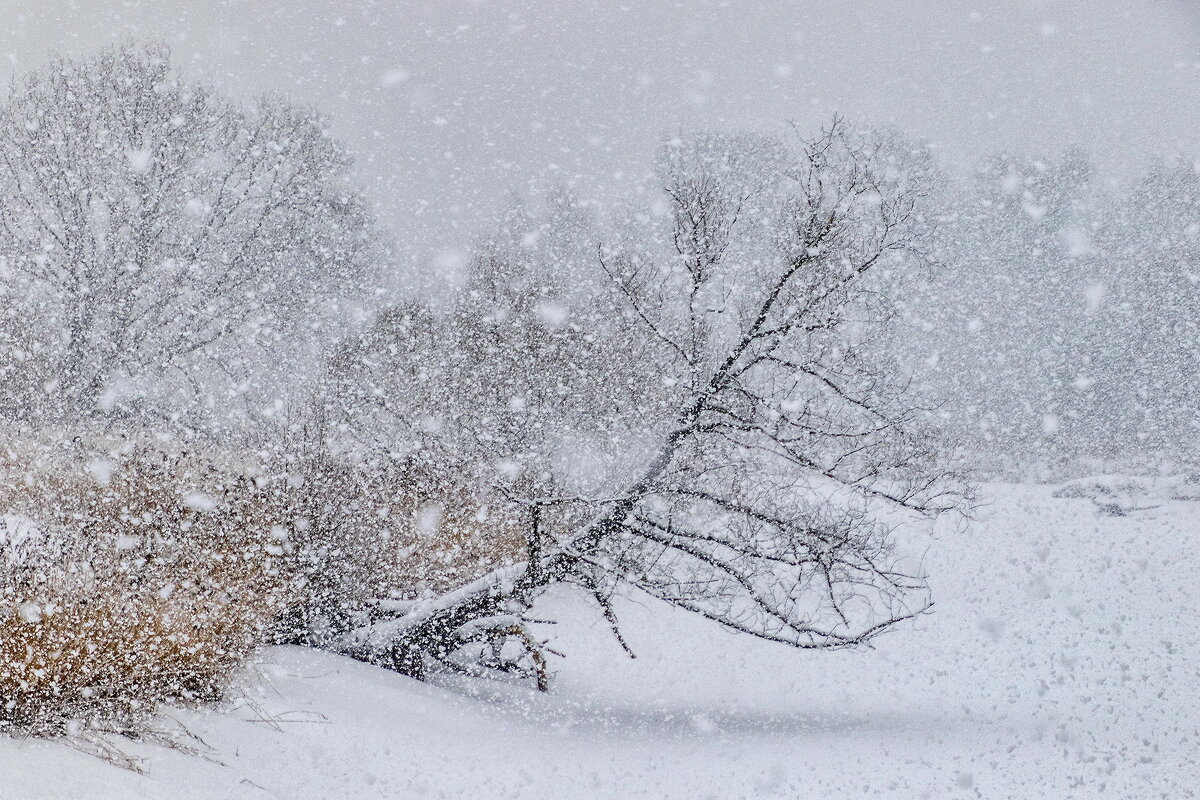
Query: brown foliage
[[129, 580], [382, 527]]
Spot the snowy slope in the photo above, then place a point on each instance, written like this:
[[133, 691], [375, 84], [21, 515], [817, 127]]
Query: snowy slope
[[1061, 661]]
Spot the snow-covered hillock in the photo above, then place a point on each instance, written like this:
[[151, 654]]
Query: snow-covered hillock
[[1117, 495]]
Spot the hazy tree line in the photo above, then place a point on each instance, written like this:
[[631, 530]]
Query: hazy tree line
[[1061, 328]]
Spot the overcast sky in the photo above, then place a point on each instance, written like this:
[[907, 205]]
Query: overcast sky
[[450, 105]]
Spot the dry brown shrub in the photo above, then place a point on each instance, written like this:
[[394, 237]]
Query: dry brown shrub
[[452, 536], [129, 578], [387, 528]]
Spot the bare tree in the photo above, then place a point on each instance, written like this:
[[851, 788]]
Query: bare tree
[[735, 343], [165, 237]]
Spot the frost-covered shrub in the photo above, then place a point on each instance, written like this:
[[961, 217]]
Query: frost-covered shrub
[[376, 526], [434, 418], [129, 576]]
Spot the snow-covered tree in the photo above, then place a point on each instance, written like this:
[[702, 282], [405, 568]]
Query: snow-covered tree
[[163, 240], [723, 342]]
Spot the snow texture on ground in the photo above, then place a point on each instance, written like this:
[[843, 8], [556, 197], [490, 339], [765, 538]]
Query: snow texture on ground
[[1062, 660]]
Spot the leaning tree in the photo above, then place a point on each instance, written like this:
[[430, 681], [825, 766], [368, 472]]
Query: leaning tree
[[160, 240], [747, 449]]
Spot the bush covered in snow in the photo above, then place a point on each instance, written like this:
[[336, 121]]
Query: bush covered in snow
[[376, 526], [129, 575]]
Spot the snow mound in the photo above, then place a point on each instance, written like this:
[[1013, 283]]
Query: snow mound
[[1119, 495]]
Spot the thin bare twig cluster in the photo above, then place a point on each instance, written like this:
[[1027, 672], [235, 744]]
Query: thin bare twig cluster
[[729, 343]]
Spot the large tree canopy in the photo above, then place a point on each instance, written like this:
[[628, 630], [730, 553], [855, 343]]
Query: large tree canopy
[[158, 239]]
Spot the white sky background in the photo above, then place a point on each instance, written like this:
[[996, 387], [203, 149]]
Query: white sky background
[[450, 105]]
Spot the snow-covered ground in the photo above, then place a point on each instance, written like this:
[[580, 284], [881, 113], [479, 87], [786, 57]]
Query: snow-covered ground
[[1062, 660]]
